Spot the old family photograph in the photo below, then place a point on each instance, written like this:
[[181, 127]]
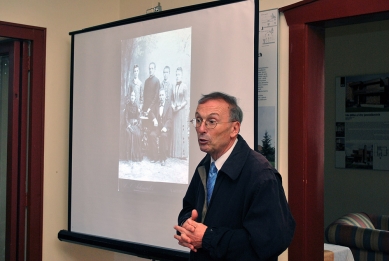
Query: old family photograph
[[154, 111]]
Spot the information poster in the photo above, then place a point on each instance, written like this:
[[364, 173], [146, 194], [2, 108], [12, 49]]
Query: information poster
[[362, 122], [268, 84]]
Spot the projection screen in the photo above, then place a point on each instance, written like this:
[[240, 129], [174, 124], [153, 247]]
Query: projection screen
[[128, 167]]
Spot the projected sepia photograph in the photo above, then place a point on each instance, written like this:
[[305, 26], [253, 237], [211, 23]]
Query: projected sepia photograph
[[154, 109]]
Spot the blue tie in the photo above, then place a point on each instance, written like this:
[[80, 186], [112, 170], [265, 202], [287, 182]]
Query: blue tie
[[211, 181]]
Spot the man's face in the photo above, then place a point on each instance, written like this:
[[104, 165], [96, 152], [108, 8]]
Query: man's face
[[218, 140], [166, 74], [162, 96], [132, 97], [151, 69], [136, 72], [179, 76]]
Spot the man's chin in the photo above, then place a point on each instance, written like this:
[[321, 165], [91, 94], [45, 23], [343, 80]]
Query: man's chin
[[203, 148]]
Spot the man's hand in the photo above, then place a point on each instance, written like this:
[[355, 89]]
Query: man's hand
[[192, 233]]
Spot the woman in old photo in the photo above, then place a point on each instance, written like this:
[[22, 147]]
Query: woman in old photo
[[180, 106], [136, 86], [133, 128]]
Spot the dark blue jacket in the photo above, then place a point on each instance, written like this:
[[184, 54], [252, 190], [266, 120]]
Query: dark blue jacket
[[248, 217]]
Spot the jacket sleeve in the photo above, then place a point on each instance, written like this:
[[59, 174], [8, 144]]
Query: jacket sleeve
[[189, 200], [155, 99], [267, 231], [168, 117]]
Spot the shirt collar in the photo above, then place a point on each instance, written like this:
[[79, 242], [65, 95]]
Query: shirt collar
[[220, 161]]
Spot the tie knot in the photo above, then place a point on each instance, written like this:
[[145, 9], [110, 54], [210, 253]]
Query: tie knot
[[213, 169]]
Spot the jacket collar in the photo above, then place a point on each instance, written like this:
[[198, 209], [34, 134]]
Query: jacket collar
[[235, 162]]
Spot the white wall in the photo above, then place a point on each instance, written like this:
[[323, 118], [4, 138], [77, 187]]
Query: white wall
[[60, 18], [131, 8]]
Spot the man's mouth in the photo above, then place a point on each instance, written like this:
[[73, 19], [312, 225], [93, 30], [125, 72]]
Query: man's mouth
[[202, 141]]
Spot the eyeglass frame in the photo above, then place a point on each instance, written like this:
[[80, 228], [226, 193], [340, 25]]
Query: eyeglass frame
[[194, 123]]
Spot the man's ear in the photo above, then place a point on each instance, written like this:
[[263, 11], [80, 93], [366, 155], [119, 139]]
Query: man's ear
[[235, 128]]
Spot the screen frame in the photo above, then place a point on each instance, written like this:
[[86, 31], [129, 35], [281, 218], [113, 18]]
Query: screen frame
[[134, 248]]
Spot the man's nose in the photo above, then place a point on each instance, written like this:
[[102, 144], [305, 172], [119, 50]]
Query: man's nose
[[202, 127]]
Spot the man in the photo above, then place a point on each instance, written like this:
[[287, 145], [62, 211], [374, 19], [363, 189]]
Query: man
[[247, 216], [166, 84], [162, 119], [151, 89]]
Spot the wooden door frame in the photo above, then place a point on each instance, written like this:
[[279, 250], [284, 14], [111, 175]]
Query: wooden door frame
[[32, 131], [307, 21], [15, 208]]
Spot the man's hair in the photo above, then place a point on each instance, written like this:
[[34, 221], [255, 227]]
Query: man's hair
[[135, 66], [167, 67], [179, 69], [236, 113], [154, 65]]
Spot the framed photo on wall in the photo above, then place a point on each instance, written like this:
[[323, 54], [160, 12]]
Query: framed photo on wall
[[362, 122]]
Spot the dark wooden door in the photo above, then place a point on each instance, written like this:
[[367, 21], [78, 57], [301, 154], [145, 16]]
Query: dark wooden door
[[25, 50]]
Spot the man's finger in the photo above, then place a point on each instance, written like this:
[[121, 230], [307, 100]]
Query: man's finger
[[185, 238], [183, 243], [191, 223], [180, 229], [194, 214], [188, 225]]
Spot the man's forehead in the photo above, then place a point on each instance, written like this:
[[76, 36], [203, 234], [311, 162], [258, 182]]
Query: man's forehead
[[212, 107]]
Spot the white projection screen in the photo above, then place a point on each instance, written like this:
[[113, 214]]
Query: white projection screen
[[129, 173]]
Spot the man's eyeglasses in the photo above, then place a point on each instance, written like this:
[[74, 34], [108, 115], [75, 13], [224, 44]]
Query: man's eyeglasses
[[209, 124]]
